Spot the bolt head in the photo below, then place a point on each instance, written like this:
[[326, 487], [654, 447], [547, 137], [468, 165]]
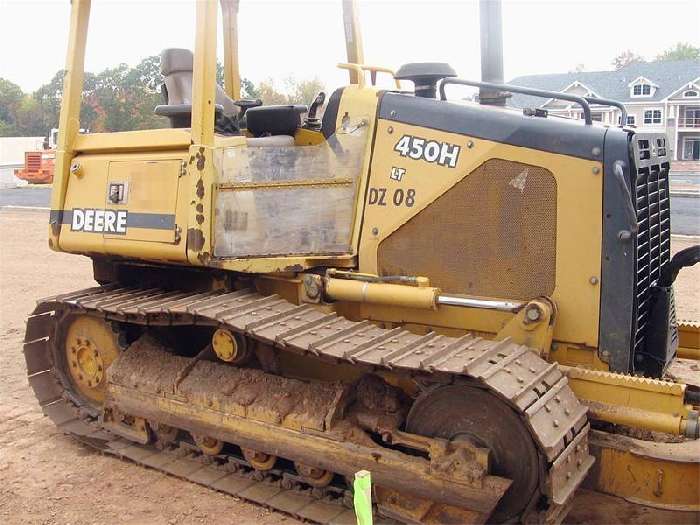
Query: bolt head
[[375, 231], [470, 144], [533, 313], [596, 170], [624, 235], [390, 130], [593, 280]]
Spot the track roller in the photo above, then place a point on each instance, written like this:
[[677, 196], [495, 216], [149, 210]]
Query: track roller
[[259, 460], [208, 445], [230, 347], [315, 477]]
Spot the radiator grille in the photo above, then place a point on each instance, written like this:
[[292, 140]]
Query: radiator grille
[[33, 160], [491, 234], [653, 246]]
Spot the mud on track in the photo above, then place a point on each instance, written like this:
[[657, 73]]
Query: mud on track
[[48, 478]]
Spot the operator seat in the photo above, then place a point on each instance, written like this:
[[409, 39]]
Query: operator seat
[[176, 66]]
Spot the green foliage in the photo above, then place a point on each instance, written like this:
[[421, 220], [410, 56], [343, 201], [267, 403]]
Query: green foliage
[[626, 58], [295, 92], [121, 98], [248, 89], [10, 100], [681, 51]]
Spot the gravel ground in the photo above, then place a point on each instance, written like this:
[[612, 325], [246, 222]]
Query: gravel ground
[[47, 478]]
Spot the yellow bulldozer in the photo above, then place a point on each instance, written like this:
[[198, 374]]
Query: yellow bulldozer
[[473, 303]]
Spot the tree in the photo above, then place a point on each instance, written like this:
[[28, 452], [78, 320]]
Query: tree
[[304, 91], [121, 98], [49, 97], [681, 51], [268, 93], [30, 118], [10, 100], [294, 92], [124, 98], [626, 58], [248, 89]]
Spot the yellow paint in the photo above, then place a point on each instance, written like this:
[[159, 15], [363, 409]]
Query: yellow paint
[[224, 344], [69, 120], [88, 189], [577, 355], [152, 188], [661, 475], [306, 137], [90, 348], [204, 74], [221, 141], [382, 293], [357, 101], [148, 140], [633, 401], [232, 76], [689, 340], [379, 69], [579, 214], [536, 334], [353, 39]]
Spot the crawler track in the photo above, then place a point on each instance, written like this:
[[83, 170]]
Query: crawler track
[[535, 389]]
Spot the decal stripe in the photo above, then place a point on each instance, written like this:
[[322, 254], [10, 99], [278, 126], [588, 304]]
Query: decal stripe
[[151, 221]]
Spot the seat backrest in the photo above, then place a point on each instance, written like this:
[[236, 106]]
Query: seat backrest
[[176, 66], [330, 116]]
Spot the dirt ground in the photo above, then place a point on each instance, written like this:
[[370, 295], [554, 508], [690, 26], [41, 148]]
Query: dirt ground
[[47, 478]]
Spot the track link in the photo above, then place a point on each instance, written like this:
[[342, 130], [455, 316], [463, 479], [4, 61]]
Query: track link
[[534, 388]]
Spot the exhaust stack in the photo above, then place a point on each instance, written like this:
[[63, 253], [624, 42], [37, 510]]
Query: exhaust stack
[[491, 51]]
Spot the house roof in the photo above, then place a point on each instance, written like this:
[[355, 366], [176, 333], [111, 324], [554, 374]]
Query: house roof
[[669, 76]]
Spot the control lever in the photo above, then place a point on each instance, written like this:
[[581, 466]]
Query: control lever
[[245, 104], [311, 121]]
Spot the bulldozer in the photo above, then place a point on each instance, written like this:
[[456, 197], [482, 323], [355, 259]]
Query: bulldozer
[[471, 302]]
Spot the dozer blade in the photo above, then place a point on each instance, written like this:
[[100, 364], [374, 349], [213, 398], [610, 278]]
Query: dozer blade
[[689, 340]]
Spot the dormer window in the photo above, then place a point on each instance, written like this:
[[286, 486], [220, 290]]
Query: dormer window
[[690, 93], [642, 87]]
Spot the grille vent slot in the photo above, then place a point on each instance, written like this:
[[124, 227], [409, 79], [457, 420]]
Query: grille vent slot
[[653, 242]]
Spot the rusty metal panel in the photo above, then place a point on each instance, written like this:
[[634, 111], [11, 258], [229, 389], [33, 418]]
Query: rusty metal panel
[[284, 221], [497, 235], [289, 200]]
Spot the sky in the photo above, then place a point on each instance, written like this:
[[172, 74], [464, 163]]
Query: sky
[[304, 38]]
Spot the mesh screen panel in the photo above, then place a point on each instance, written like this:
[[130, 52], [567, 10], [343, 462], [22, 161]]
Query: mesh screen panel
[[492, 234]]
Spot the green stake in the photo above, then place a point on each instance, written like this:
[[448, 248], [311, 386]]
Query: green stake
[[363, 497]]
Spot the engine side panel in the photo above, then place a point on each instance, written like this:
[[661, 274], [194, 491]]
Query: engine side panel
[[413, 167]]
